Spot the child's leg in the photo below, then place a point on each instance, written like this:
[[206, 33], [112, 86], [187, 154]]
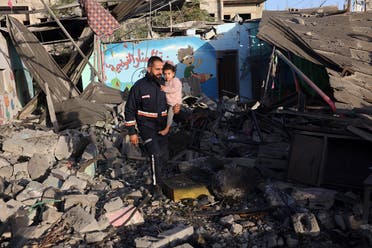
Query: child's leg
[[170, 116], [169, 121]]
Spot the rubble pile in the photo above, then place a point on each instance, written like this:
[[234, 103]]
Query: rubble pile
[[88, 187]]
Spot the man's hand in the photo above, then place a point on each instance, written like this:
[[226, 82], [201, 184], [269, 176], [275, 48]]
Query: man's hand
[[133, 139], [176, 108]]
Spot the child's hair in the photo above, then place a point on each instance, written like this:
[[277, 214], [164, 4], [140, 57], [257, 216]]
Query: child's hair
[[168, 66]]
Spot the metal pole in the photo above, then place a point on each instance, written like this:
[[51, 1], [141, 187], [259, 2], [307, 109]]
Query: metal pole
[[170, 16], [307, 80], [71, 39], [265, 86]]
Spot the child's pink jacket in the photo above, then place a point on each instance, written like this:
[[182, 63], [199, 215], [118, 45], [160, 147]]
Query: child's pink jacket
[[173, 91]]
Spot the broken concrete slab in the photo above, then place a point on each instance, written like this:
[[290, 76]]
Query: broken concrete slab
[[72, 182], [134, 194], [31, 194], [121, 216], [186, 245], [7, 209], [27, 142], [229, 219], [6, 169], [95, 237], [38, 165], [114, 204], [314, 198], [13, 189], [51, 215], [20, 171], [66, 145], [236, 229], [178, 233], [52, 181], [305, 223], [61, 173], [87, 202], [81, 221]]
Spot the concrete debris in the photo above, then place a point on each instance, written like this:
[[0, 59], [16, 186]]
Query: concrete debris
[[28, 142], [7, 209], [87, 202], [165, 238], [305, 223], [32, 193], [314, 198], [81, 221], [95, 237], [20, 171], [88, 186], [6, 169], [51, 215], [114, 204], [38, 165], [72, 182], [127, 215]]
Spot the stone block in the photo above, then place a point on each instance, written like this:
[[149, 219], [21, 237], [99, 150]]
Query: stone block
[[7, 209], [305, 223], [315, 198], [72, 182], [81, 221], [236, 228], [166, 238], [121, 216], [186, 245], [20, 171], [227, 220], [61, 173], [114, 204], [51, 215], [134, 194], [52, 181], [31, 194], [38, 165], [87, 202], [66, 145], [181, 187], [95, 237], [6, 169], [28, 142], [13, 189]]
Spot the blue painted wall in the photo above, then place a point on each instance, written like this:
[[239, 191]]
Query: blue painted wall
[[125, 62]]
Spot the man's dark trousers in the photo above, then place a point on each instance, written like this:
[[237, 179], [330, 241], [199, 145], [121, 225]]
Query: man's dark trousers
[[157, 146]]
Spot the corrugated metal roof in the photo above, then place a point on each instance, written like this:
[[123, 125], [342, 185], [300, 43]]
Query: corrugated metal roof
[[341, 43]]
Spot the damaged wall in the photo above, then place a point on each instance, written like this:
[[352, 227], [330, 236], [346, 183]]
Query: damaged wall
[[9, 103], [125, 63]]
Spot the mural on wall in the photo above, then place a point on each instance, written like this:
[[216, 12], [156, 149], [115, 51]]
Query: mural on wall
[[125, 63], [9, 104]]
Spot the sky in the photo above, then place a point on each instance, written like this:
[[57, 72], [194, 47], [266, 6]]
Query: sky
[[283, 4]]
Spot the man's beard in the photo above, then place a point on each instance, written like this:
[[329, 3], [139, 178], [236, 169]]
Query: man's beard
[[159, 79]]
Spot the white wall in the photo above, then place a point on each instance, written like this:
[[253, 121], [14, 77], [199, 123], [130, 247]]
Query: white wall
[[233, 36]]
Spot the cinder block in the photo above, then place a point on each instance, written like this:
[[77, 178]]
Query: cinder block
[[305, 223], [180, 187]]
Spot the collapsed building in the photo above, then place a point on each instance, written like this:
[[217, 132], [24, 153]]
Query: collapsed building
[[272, 147]]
